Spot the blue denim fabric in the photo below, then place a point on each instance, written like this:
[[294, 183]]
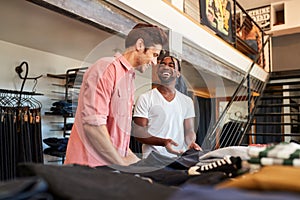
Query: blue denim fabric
[[253, 45]]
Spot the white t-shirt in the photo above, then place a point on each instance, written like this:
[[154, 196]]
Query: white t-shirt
[[165, 119]]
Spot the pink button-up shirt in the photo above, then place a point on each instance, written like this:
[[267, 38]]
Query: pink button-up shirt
[[106, 97]]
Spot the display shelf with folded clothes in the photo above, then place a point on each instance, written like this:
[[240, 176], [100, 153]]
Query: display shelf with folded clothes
[[66, 127], [65, 106], [57, 146]]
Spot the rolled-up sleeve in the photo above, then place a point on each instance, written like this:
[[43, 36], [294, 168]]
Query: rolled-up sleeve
[[97, 89]]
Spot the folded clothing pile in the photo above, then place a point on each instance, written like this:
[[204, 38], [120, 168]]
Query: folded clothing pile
[[62, 108], [283, 153], [57, 146]]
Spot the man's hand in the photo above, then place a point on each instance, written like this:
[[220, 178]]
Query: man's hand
[[130, 158], [195, 146], [168, 145]]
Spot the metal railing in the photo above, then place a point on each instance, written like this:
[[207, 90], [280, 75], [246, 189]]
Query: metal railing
[[234, 122], [230, 130], [238, 21], [239, 18]]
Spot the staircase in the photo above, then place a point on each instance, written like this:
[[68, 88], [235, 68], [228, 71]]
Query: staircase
[[277, 115], [237, 118]]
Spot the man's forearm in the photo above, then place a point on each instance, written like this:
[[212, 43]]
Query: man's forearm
[[140, 132], [190, 137], [152, 140], [99, 138]]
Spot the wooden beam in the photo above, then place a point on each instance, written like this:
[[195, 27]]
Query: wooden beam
[[97, 13]]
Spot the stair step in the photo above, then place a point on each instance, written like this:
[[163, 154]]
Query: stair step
[[285, 74], [274, 134], [277, 114], [279, 105], [281, 83], [284, 77], [280, 97], [274, 123], [281, 90]]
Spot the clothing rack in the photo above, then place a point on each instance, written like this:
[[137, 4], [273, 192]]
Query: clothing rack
[[20, 131], [20, 128]]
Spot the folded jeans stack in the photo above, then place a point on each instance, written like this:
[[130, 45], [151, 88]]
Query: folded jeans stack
[[62, 108], [57, 146]]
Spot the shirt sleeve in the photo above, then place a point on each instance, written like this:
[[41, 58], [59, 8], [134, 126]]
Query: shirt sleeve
[[141, 108], [97, 91], [190, 108]]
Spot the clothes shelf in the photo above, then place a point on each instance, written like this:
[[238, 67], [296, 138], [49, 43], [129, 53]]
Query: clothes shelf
[[64, 108]]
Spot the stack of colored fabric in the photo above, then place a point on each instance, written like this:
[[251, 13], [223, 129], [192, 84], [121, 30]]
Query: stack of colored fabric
[[283, 153], [274, 168]]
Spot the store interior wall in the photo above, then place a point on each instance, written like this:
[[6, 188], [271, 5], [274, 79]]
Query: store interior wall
[[40, 63], [43, 63], [286, 52]]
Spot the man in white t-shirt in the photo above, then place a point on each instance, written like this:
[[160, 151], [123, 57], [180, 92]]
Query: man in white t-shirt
[[163, 116]]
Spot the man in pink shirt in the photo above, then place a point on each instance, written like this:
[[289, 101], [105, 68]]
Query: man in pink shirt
[[101, 130]]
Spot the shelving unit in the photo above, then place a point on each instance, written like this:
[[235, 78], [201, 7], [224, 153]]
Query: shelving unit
[[65, 108]]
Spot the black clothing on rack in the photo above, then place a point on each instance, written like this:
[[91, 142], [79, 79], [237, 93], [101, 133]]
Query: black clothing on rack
[[20, 131]]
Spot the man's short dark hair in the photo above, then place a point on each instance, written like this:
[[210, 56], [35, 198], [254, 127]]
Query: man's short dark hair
[[164, 53], [151, 34]]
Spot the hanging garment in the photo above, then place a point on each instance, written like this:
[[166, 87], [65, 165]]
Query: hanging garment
[[20, 132]]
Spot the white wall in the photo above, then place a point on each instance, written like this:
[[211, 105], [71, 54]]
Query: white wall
[[286, 52], [291, 17], [40, 63], [292, 14]]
